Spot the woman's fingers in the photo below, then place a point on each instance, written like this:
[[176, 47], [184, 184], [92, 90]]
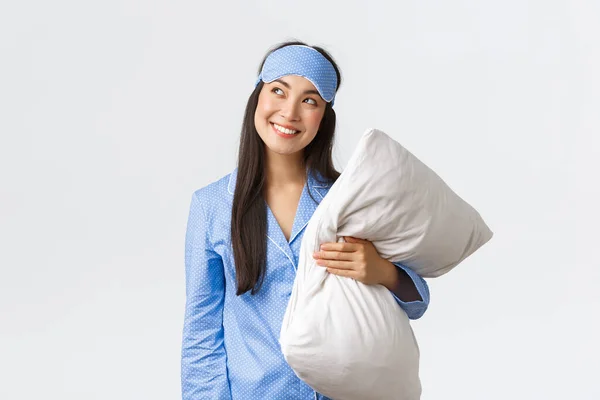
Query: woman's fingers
[[334, 255], [344, 265], [341, 246]]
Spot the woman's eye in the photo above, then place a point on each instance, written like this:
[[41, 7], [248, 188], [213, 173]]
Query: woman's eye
[[278, 91]]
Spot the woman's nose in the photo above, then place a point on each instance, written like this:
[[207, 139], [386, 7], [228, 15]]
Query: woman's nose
[[290, 111]]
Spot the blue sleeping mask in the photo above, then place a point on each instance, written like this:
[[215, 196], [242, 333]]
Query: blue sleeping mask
[[302, 61]]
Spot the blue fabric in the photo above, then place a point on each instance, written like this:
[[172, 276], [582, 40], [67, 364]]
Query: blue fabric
[[230, 346], [302, 61], [414, 309]]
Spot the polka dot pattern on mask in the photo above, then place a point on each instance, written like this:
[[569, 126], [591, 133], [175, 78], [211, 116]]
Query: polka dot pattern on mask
[[301, 61]]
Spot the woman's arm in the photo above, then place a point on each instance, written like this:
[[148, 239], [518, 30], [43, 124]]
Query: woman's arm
[[410, 290], [358, 259], [203, 368]]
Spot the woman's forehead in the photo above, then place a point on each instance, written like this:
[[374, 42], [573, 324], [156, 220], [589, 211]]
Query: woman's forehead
[[296, 82]]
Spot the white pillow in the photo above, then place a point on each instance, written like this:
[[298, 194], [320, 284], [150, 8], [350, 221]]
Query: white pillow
[[352, 341]]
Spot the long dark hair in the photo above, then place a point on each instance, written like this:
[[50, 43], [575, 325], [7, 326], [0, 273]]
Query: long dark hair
[[249, 210]]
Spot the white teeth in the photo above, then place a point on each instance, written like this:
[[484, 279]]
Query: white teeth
[[283, 130]]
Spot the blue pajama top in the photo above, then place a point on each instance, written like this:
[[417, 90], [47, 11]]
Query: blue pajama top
[[230, 347]]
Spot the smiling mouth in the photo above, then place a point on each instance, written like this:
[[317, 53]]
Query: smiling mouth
[[283, 130]]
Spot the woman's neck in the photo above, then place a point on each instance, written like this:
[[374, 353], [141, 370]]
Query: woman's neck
[[282, 170]]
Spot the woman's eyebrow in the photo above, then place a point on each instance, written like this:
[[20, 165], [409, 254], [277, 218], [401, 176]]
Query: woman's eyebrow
[[287, 85]]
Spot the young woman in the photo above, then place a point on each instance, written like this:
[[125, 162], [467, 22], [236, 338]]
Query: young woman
[[244, 233]]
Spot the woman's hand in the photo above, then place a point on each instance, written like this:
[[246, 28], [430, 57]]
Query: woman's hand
[[357, 259]]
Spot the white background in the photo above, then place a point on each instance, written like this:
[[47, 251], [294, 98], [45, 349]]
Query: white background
[[113, 112]]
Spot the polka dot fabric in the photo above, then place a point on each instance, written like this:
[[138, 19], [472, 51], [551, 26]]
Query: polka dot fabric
[[230, 347], [302, 61]]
